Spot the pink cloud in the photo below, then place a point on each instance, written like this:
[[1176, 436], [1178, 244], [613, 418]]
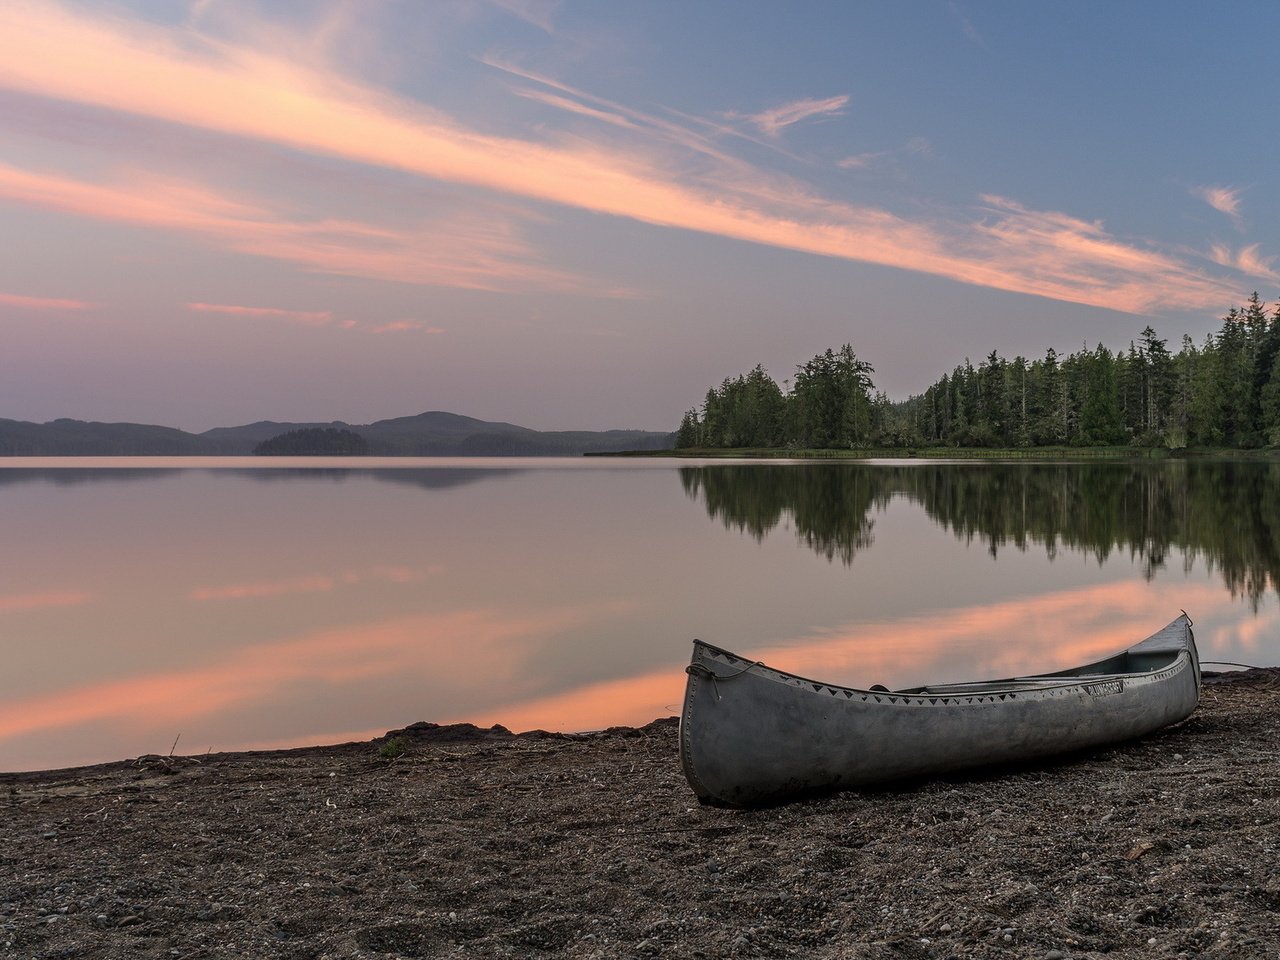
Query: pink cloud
[[573, 106], [1247, 260], [178, 76], [403, 326], [42, 303], [1223, 199], [773, 121], [301, 316]]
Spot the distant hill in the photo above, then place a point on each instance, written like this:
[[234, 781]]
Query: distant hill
[[431, 434]]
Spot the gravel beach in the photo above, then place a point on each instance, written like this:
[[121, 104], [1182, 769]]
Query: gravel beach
[[479, 843]]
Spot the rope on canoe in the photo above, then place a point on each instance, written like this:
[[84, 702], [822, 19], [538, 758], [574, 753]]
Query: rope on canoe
[[701, 670]]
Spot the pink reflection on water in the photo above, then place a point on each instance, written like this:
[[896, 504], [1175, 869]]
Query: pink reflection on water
[[1062, 630], [494, 662], [466, 646]]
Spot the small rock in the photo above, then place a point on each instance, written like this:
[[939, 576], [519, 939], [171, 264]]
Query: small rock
[[1055, 955], [945, 928], [713, 866]]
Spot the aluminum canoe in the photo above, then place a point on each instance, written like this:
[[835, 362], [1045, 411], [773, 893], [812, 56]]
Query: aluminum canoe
[[753, 735]]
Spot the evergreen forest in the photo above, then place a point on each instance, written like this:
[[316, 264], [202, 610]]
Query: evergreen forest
[[1224, 392]]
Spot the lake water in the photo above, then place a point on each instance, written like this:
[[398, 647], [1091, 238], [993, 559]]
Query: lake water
[[236, 604]]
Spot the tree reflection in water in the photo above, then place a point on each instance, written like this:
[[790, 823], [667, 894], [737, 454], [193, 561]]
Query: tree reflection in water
[[1227, 513]]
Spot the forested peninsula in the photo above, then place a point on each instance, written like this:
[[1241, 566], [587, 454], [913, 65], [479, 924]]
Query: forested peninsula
[[1223, 393]]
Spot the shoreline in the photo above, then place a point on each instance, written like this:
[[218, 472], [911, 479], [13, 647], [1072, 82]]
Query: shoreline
[[483, 843]]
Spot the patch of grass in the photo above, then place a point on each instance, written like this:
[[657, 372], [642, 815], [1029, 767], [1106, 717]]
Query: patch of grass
[[393, 747]]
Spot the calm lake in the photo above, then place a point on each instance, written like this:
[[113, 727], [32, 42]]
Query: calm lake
[[234, 604]]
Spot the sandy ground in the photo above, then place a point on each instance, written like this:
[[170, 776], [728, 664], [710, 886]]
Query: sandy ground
[[482, 844]]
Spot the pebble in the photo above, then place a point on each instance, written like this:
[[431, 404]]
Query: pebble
[[1055, 955], [945, 928]]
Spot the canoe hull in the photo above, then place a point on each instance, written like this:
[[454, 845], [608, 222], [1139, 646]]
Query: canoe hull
[[752, 735]]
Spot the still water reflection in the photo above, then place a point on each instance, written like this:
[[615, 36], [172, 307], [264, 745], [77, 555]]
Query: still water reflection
[[257, 605]]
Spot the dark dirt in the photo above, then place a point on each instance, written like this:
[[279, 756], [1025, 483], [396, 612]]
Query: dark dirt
[[482, 844]]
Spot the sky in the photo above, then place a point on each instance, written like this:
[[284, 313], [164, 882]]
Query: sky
[[581, 215]]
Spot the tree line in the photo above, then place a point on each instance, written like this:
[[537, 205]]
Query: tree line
[[1224, 392]]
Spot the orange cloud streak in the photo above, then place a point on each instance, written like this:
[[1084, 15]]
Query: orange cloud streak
[[42, 303], [181, 77]]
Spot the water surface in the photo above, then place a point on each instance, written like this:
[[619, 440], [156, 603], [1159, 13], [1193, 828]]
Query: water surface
[[235, 603]]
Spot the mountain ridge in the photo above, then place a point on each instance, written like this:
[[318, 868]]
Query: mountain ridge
[[433, 433]]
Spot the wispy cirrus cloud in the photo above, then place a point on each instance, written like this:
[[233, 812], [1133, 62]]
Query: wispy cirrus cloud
[[299, 316], [184, 78], [540, 13], [966, 25], [1248, 260], [773, 121], [916, 145], [1223, 199], [42, 303]]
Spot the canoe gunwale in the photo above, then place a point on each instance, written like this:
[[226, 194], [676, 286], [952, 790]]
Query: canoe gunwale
[[967, 693]]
